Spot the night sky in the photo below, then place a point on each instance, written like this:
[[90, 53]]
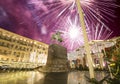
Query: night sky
[[34, 21]]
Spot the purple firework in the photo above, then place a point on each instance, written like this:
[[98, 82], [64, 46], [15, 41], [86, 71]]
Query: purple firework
[[62, 15]]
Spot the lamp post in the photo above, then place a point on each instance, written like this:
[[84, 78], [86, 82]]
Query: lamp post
[[86, 43]]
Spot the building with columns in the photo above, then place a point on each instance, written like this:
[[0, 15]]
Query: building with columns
[[97, 47], [20, 52]]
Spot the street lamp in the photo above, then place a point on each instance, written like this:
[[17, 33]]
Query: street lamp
[[86, 43]]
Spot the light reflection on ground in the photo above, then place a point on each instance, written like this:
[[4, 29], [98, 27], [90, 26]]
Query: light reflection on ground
[[34, 77]]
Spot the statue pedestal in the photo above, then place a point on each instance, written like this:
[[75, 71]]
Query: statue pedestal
[[57, 59]]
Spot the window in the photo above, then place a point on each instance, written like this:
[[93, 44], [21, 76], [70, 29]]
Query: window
[[2, 59], [14, 53], [7, 59], [12, 60]]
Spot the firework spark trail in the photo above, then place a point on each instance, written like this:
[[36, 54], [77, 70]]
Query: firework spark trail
[[61, 14], [101, 30], [85, 4], [108, 35], [98, 32]]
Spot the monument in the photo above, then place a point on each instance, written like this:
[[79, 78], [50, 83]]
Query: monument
[[57, 59]]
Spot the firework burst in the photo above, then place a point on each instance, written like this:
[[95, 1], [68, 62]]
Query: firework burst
[[71, 34], [62, 15]]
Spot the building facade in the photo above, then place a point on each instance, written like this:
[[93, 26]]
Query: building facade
[[20, 52]]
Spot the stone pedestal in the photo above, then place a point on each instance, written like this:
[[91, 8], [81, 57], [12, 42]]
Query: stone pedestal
[[57, 59]]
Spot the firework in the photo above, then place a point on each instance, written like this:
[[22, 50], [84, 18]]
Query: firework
[[98, 32], [62, 15], [71, 34]]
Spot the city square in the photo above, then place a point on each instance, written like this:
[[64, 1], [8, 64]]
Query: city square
[[59, 42]]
